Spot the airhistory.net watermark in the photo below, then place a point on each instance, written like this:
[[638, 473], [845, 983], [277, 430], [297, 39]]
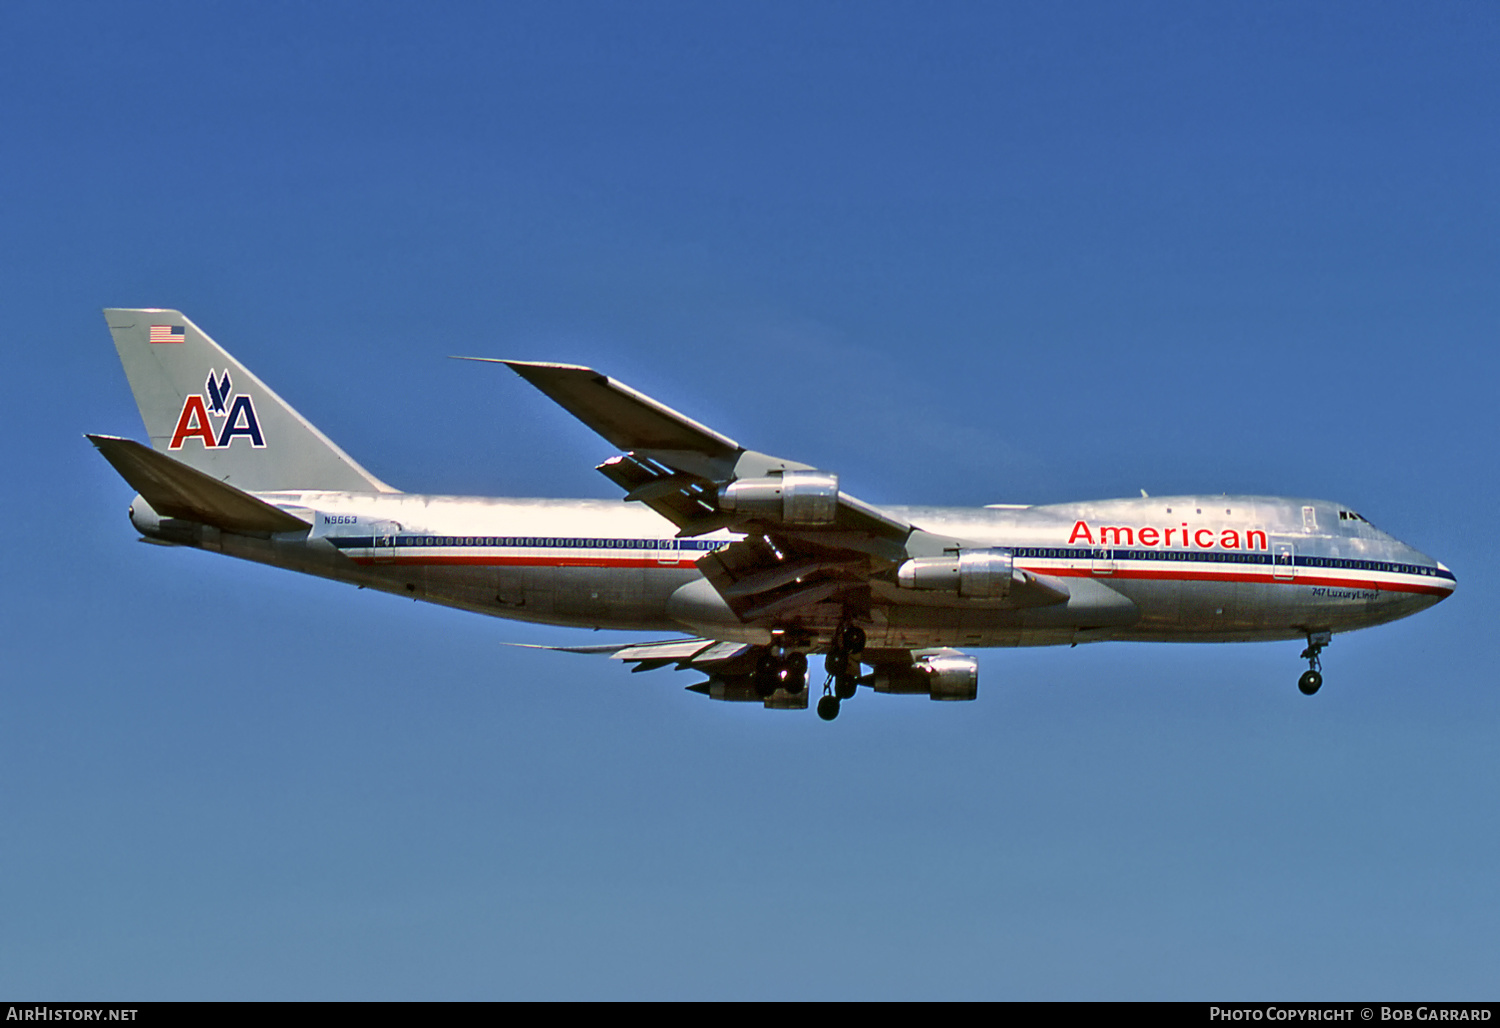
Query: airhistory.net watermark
[[45, 1012]]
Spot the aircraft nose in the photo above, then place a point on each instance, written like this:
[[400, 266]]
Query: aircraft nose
[[1446, 580], [1437, 582]]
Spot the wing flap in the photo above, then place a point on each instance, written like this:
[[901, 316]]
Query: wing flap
[[672, 650], [685, 499], [703, 654]]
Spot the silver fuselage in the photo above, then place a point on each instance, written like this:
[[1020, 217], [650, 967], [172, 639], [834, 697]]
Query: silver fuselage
[[1178, 569]]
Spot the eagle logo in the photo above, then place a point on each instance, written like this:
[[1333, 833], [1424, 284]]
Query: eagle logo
[[218, 392], [216, 418]]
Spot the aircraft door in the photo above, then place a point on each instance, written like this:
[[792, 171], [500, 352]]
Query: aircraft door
[[1284, 564], [666, 551], [383, 546], [1104, 563]]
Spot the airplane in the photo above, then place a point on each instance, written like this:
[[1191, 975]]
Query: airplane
[[764, 562]]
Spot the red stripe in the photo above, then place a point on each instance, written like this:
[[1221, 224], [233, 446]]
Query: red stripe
[[1262, 578], [1303, 578]]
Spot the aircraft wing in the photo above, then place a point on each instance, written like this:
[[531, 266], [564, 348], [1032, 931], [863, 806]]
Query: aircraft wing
[[704, 654], [939, 672], [679, 467], [806, 541], [626, 418]]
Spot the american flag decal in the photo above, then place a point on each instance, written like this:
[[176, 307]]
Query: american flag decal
[[167, 333]]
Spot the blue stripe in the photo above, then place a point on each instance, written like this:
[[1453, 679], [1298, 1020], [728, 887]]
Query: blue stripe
[[359, 542], [1227, 557]]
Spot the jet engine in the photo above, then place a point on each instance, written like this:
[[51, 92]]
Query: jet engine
[[977, 574], [792, 498], [741, 689], [947, 675]]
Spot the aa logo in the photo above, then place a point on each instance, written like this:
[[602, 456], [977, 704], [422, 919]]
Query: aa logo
[[214, 420]]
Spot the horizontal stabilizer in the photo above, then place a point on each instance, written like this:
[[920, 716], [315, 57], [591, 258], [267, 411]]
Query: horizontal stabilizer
[[175, 490]]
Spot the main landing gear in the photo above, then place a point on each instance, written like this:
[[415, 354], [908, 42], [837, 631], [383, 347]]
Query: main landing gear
[[843, 670], [1312, 679], [780, 668]]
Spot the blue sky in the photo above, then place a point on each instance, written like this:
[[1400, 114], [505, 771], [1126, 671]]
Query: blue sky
[[958, 253]]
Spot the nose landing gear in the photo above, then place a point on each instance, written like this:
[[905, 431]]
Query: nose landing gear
[[1312, 679]]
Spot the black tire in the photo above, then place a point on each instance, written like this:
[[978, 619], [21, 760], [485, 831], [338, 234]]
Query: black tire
[[854, 640], [844, 686], [794, 679], [764, 680], [1310, 682], [828, 708]]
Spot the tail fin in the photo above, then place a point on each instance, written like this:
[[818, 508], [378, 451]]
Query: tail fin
[[202, 407]]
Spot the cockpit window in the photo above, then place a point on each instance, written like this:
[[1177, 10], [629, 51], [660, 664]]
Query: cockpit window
[[1349, 515]]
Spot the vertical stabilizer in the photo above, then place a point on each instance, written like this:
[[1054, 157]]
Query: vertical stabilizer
[[204, 408]]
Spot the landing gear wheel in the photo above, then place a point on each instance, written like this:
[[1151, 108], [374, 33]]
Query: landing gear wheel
[[764, 681], [852, 640], [794, 673], [1312, 679], [828, 708], [794, 680], [844, 686]]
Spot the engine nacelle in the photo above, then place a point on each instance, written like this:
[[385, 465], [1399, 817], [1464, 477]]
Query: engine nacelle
[[741, 689], [941, 676], [976, 574], [793, 498]]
